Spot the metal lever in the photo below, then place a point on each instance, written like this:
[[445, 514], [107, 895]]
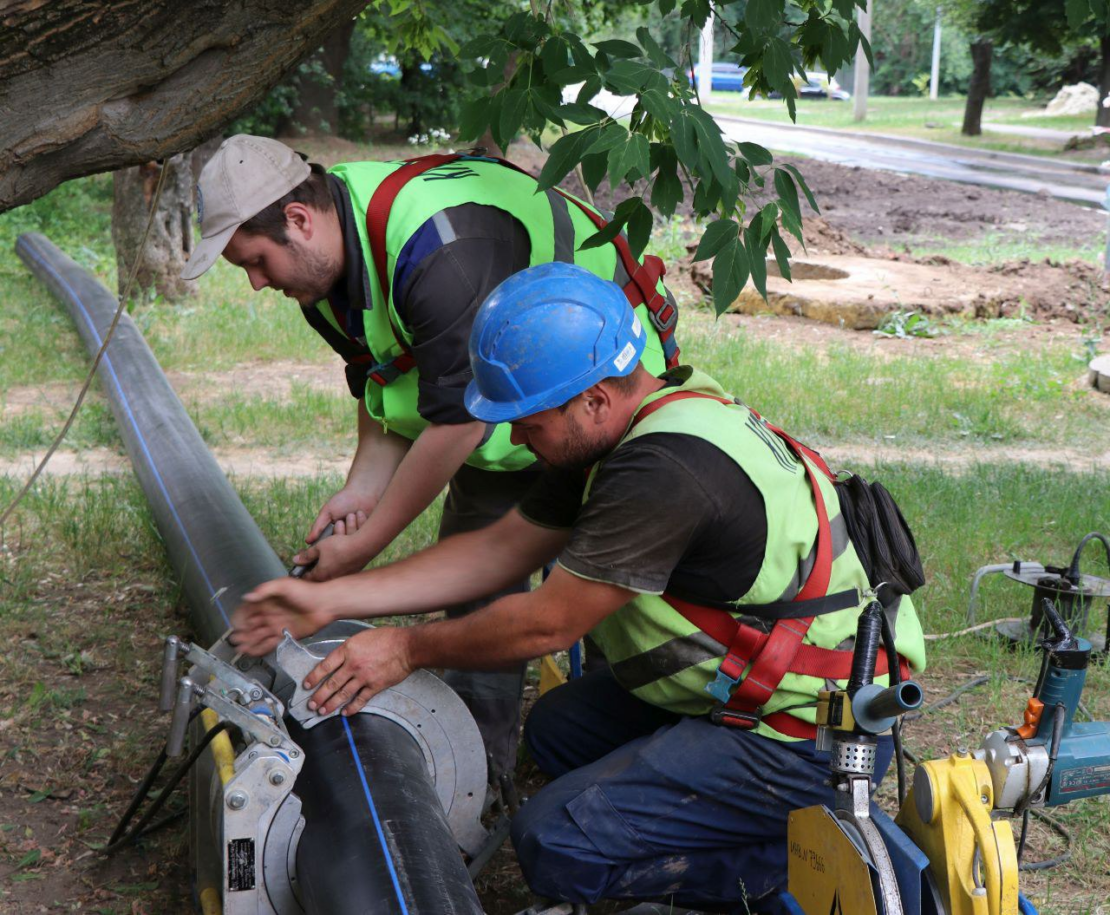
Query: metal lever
[[301, 571], [182, 712], [169, 674]]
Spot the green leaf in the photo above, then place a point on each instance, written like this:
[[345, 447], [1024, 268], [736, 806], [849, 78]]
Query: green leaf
[[30, 859], [593, 169], [613, 228], [764, 15], [564, 155], [666, 193], [651, 47], [582, 114], [609, 136], [684, 138], [716, 236], [639, 229], [755, 154], [730, 273], [793, 169], [712, 146], [665, 6], [793, 226], [473, 118], [756, 245], [697, 11], [788, 193], [1078, 11], [778, 63], [768, 216], [633, 76], [478, 47], [658, 104], [630, 159], [512, 116], [617, 47], [555, 56], [782, 254], [590, 88]]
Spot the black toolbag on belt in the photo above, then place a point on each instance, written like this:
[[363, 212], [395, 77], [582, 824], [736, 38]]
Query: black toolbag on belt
[[883, 540]]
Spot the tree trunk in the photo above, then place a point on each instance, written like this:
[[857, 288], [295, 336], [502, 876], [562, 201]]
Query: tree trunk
[[1102, 118], [171, 233], [982, 50], [96, 85], [315, 112]]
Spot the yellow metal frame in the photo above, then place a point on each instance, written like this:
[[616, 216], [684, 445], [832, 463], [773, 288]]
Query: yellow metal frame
[[223, 755], [971, 856]]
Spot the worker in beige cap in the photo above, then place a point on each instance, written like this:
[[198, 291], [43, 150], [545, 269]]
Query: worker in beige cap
[[389, 262]]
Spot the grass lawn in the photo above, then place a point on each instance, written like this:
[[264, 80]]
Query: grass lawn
[[923, 118], [86, 593]]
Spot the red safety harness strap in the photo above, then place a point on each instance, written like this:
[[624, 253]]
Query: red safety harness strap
[[781, 651], [377, 218], [641, 287]]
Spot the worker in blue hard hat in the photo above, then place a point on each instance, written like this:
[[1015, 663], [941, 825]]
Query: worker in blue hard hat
[[689, 534]]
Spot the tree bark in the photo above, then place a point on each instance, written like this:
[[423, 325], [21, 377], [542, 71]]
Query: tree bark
[[171, 233], [982, 50], [96, 85], [316, 111], [1102, 117]]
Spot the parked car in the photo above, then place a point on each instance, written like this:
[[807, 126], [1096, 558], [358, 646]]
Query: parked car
[[727, 77], [820, 85]]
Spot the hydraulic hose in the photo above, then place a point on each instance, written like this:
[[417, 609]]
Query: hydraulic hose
[[364, 777]]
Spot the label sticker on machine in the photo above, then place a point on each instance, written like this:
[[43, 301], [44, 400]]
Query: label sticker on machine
[[240, 864], [1085, 778]]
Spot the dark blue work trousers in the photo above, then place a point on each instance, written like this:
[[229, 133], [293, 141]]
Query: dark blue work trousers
[[651, 805]]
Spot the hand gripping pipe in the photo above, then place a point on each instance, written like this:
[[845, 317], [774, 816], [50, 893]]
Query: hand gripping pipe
[[375, 838]]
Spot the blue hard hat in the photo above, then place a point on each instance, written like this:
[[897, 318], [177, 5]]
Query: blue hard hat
[[544, 336]]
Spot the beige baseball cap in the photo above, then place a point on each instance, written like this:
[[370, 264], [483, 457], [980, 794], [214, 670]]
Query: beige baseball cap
[[245, 176]]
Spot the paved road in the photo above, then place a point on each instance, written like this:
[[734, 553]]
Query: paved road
[[1073, 181], [1079, 183]]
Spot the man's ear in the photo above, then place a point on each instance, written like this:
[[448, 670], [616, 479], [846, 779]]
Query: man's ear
[[299, 221], [597, 402]]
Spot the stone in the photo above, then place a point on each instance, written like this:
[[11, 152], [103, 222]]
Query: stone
[[1099, 373]]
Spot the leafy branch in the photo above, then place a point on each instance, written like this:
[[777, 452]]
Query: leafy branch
[[668, 141]]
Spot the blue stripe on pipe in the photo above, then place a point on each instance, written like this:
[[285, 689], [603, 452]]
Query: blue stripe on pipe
[[107, 361], [374, 815]]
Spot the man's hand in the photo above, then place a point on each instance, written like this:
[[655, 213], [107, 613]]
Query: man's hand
[[284, 603], [334, 557], [348, 509], [358, 670]]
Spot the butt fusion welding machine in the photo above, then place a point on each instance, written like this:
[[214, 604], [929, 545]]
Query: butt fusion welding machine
[[245, 818], [950, 850]]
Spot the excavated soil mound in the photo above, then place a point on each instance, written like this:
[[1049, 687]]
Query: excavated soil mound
[[857, 291]]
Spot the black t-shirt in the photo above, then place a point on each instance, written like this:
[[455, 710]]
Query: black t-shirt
[[666, 512], [443, 274]]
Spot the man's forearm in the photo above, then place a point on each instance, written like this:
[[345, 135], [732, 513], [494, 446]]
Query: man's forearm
[[509, 630], [420, 477], [378, 455], [461, 568], [516, 627]]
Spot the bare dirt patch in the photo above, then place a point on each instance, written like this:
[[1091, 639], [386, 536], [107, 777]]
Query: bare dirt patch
[[77, 695], [886, 216]]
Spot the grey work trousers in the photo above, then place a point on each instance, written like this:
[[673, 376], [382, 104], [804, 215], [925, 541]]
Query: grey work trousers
[[475, 499]]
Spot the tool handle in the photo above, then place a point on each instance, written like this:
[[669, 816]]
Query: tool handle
[[182, 710], [169, 674], [301, 571]]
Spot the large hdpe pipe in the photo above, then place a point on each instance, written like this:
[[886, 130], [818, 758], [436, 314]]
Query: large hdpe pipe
[[365, 782]]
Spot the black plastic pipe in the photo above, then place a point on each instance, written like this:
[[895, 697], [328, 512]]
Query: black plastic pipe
[[364, 778]]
